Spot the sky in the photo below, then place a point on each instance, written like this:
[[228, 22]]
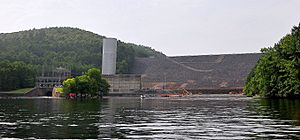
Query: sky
[[174, 27]]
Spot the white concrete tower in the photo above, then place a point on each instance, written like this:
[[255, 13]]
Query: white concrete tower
[[109, 56]]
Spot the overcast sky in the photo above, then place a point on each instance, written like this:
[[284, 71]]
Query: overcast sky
[[174, 27]]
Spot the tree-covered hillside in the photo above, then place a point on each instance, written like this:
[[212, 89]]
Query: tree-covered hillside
[[15, 75], [68, 47]]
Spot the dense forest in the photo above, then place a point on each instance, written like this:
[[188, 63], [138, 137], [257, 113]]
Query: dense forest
[[277, 73], [14, 75], [71, 48]]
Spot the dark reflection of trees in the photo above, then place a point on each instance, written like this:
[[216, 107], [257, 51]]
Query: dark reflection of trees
[[51, 118], [286, 109], [82, 113]]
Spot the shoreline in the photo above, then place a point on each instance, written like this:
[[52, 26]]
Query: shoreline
[[194, 96]]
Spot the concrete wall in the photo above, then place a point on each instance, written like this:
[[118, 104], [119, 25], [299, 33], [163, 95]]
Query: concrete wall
[[39, 92], [124, 83]]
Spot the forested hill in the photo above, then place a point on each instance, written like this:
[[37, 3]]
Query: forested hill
[[67, 47]]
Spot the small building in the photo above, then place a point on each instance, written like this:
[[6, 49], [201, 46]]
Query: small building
[[124, 83], [52, 78]]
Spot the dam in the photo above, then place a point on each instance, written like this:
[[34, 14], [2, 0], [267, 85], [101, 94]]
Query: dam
[[224, 72]]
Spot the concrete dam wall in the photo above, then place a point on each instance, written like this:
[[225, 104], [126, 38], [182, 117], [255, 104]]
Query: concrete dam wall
[[226, 71]]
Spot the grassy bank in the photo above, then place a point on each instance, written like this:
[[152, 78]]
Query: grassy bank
[[18, 91]]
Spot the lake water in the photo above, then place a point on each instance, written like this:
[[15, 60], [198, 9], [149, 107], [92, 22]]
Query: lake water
[[195, 117]]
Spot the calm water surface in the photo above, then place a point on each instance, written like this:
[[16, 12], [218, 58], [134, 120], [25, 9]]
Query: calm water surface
[[197, 117]]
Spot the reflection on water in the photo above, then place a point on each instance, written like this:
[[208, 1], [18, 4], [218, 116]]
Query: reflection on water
[[196, 117]]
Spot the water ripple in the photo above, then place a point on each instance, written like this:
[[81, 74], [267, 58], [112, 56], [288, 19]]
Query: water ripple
[[201, 117]]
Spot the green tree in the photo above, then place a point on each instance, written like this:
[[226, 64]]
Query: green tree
[[91, 83], [16, 75], [84, 85], [95, 74], [104, 88], [69, 85], [277, 73], [95, 80]]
